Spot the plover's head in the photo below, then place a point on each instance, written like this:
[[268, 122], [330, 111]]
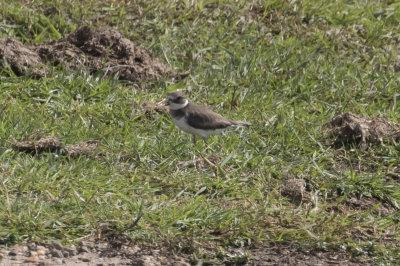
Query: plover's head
[[176, 100]]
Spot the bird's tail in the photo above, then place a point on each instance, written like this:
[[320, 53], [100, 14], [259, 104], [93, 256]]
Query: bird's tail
[[241, 123]]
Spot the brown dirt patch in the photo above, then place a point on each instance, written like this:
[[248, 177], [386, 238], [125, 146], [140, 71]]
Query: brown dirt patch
[[91, 252], [150, 109], [100, 252], [97, 49], [21, 59], [44, 144], [292, 188], [365, 163], [158, 107], [289, 255], [367, 204], [349, 128], [82, 148], [52, 144], [363, 232]]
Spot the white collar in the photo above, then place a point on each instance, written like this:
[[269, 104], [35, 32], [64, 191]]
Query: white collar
[[177, 106]]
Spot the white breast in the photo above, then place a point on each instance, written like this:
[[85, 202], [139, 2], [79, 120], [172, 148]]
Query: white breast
[[183, 125]]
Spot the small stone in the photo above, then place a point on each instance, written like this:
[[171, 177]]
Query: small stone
[[71, 250], [12, 253], [86, 243], [83, 249], [41, 252], [59, 261], [135, 249], [65, 253], [32, 259], [101, 245], [84, 258], [56, 245], [34, 254], [24, 249], [32, 246], [57, 254], [42, 257], [162, 260], [149, 261], [41, 248]]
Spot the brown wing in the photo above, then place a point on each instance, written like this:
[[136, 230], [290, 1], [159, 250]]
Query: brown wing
[[203, 118]]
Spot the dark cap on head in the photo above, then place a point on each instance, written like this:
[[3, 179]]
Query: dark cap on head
[[176, 97]]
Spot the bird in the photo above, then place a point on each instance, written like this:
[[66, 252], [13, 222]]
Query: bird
[[195, 119]]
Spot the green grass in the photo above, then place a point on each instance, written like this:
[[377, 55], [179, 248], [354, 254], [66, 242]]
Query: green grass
[[238, 54]]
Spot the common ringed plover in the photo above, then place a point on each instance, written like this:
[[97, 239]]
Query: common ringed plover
[[195, 119]]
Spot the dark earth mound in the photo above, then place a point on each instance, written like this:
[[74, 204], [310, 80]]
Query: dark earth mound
[[21, 59], [96, 49], [44, 144], [349, 128], [292, 188], [82, 148], [52, 144]]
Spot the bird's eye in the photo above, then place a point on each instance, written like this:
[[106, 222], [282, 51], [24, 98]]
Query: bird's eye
[[179, 98]]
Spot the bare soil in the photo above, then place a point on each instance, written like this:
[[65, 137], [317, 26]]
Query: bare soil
[[349, 128], [150, 109], [100, 49], [292, 188], [289, 255], [44, 144], [100, 252], [368, 204], [52, 144], [87, 148]]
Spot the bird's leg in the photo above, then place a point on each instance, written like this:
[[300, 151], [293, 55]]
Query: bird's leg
[[194, 152], [205, 157], [205, 140], [194, 160]]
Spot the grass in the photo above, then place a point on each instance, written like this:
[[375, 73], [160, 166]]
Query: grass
[[242, 57]]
